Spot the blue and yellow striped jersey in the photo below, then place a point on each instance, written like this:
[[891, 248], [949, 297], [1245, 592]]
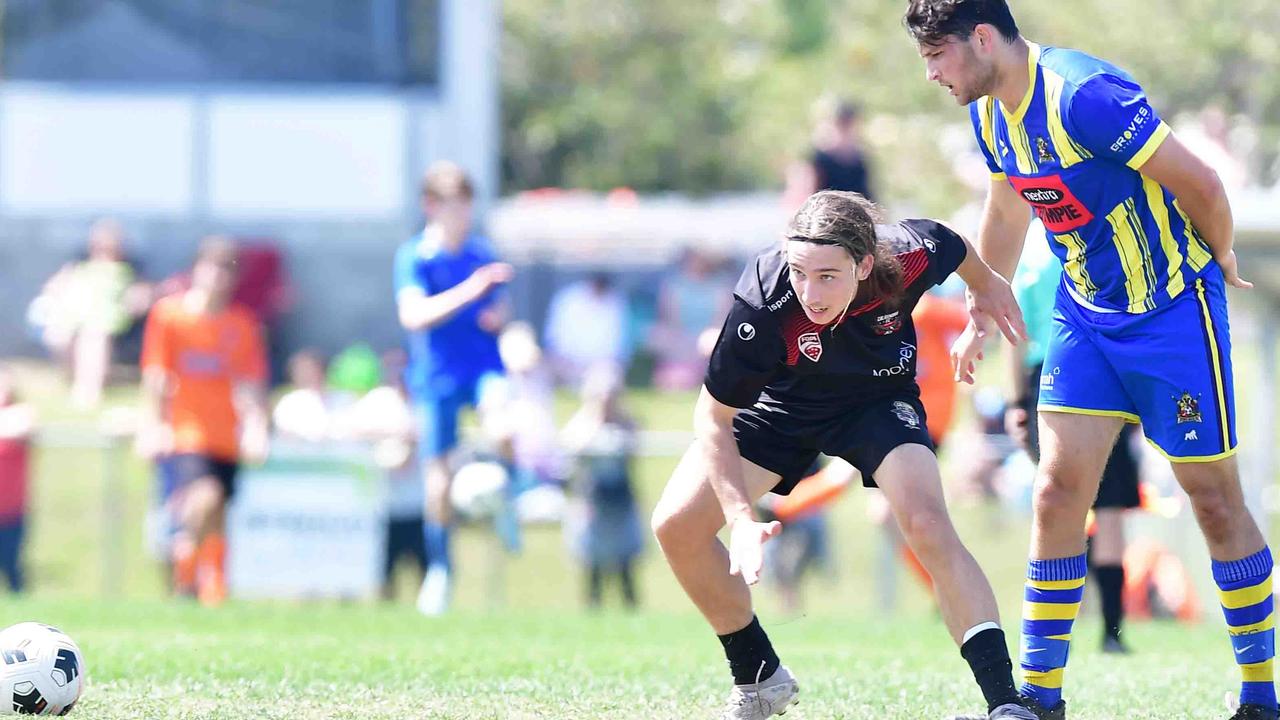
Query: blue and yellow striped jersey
[[1072, 149]]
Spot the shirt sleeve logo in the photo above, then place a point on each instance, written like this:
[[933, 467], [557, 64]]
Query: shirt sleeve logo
[[1133, 129], [747, 332]]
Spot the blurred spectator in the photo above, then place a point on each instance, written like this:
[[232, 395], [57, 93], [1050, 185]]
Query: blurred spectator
[[691, 301], [86, 305], [839, 159], [17, 424], [446, 282], [518, 411], [384, 417], [804, 544], [586, 326], [262, 287], [304, 412], [939, 320], [1209, 136], [204, 403], [353, 372], [982, 468], [603, 526]]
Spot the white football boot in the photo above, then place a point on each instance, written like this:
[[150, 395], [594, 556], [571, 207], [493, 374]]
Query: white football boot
[[766, 698]]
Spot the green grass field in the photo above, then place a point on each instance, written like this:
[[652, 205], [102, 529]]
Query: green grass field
[[154, 659], [520, 645]]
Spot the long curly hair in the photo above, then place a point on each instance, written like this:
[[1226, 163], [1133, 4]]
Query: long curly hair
[[848, 220]]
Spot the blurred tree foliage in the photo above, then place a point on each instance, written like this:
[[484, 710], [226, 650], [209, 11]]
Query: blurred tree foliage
[[701, 96]]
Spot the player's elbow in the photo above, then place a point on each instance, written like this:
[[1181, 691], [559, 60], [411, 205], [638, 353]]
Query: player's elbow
[[1199, 186], [713, 427], [413, 319]]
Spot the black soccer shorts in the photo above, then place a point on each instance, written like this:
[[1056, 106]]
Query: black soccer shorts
[[862, 434]]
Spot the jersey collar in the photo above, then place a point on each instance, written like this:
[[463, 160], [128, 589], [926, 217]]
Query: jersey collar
[[1033, 61]]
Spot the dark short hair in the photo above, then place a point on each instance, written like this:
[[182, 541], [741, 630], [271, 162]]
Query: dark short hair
[[847, 112], [932, 21]]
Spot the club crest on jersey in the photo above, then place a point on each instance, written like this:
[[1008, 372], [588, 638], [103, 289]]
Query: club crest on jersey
[[1042, 147], [811, 345], [1188, 408], [906, 414], [887, 324]]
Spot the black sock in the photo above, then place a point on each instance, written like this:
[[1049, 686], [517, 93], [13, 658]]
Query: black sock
[[595, 585], [750, 654], [988, 657], [628, 585], [1111, 588]]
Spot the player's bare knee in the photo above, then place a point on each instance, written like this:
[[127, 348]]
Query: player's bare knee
[[1215, 512], [672, 529], [1057, 491], [928, 531]]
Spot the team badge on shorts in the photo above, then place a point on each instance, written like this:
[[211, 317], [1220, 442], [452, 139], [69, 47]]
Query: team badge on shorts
[[906, 414], [1042, 146], [811, 346], [1188, 408]]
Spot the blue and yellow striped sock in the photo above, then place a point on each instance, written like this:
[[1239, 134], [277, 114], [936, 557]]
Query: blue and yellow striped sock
[[1051, 602], [1244, 588]]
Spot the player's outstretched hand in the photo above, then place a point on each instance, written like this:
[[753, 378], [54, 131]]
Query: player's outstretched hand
[[496, 273], [1231, 271], [746, 547], [994, 298], [967, 349]]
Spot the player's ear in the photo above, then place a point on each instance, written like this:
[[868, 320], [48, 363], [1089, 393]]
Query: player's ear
[[982, 33], [864, 267]]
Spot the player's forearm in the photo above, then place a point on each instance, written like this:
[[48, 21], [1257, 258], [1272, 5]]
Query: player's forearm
[[974, 271], [724, 462], [155, 385], [1210, 213], [719, 451], [255, 417], [427, 311], [1002, 233]]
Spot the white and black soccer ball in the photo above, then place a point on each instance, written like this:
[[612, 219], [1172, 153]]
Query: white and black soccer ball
[[41, 670]]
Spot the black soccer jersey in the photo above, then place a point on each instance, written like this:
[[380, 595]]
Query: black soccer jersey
[[771, 355]]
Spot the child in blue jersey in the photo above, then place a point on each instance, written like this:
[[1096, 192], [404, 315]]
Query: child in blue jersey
[[1139, 328], [445, 280]]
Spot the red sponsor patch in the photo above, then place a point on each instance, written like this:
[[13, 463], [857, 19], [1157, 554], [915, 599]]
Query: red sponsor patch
[[1058, 208]]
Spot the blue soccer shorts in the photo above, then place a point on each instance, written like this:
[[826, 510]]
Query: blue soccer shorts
[[1169, 369], [438, 411]]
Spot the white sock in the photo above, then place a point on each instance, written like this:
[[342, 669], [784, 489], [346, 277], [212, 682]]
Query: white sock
[[968, 635]]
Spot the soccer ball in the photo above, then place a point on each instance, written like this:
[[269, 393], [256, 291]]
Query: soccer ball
[[478, 488], [41, 670]]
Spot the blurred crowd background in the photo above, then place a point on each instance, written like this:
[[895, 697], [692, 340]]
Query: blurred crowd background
[[625, 158]]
